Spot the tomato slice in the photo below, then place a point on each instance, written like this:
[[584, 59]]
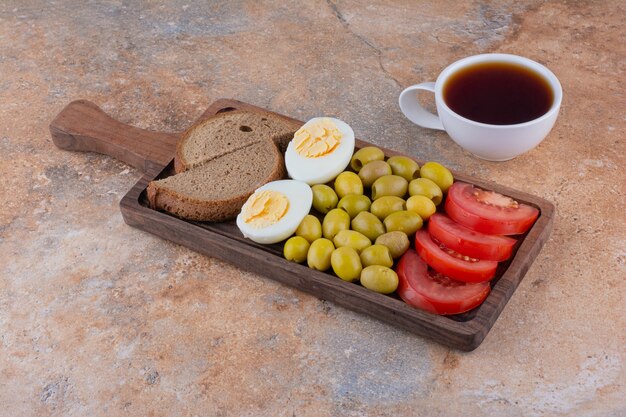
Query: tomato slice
[[451, 263], [468, 242], [435, 292], [487, 211]]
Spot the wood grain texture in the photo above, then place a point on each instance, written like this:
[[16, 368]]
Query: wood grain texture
[[225, 241], [83, 126]]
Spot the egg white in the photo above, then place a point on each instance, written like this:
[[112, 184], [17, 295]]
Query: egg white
[[324, 168], [300, 199]]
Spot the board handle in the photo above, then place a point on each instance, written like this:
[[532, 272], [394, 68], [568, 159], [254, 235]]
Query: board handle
[[83, 126]]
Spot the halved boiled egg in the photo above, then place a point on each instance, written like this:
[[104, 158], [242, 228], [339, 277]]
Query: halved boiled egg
[[275, 210], [320, 150]]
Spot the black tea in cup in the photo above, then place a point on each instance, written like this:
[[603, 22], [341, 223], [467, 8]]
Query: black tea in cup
[[498, 93]]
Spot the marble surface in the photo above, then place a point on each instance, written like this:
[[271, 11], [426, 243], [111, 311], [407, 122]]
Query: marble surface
[[98, 318]]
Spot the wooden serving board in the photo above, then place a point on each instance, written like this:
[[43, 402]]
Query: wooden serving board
[[82, 126]]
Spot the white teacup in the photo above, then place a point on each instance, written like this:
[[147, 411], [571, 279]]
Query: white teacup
[[487, 141]]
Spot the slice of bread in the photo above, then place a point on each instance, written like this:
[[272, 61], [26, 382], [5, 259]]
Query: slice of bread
[[228, 132], [220, 162]]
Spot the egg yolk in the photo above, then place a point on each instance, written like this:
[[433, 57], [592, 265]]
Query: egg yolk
[[264, 208], [317, 139]]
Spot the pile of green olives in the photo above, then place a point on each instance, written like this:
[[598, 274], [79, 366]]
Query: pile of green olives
[[362, 221]]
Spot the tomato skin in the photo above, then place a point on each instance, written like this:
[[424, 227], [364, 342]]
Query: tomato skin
[[469, 242], [489, 212], [460, 269], [435, 293]]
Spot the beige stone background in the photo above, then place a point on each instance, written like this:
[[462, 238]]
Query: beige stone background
[[100, 319]]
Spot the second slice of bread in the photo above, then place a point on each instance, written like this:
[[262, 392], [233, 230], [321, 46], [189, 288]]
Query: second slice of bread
[[217, 189]]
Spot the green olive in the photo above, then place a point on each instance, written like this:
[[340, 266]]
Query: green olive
[[397, 242], [376, 255], [379, 278], [348, 183], [357, 241], [437, 173], [404, 167], [335, 221], [384, 206], [424, 186], [346, 263], [368, 224], [389, 185], [310, 228], [372, 171], [365, 155], [408, 222], [421, 205], [324, 198], [296, 249], [354, 204], [319, 254]]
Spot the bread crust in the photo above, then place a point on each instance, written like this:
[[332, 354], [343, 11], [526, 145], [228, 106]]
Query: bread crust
[[162, 198]]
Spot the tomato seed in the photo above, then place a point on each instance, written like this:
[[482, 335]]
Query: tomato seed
[[453, 252]]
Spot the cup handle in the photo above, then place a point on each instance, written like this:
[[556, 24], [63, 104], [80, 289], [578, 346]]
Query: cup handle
[[414, 111]]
